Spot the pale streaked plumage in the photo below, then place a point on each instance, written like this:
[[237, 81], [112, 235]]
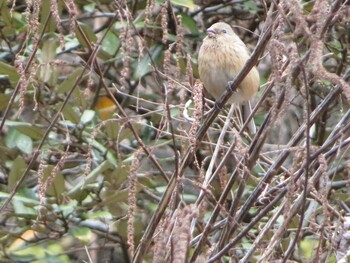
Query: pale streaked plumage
[[221, 56]]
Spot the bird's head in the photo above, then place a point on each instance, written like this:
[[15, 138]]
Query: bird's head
[[219, 29]]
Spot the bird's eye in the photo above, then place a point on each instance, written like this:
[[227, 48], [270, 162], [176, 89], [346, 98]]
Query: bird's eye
[[224, 31]]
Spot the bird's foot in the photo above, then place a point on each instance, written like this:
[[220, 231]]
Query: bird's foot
[[217, 106], [230, 86]]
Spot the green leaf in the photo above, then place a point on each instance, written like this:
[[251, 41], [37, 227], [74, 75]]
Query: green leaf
[[19, 140], [84, 234], [117, 209], [89, 7], [189, 23], [95, 214], [307, 246], [28, 129], [33, 132], [101, 148], [52, 252], [70, 114], [118, 176], [20, 196], [77, 192], [9, 71], [86, 35], [250, 5], [17, 168], [24, 211], [68, 208], [87, 116], [4, 100], [92, 176], [186, 3], [56, 187], [112, 197], [111, 43], [70, 81], [144, 66], [113, 131], [48, 72], [5, 13]]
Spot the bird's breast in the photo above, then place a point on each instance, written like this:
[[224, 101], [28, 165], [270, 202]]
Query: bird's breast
[[219, 63]]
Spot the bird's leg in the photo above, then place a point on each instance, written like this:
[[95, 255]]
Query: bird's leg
[[229, 87], [217, 105]]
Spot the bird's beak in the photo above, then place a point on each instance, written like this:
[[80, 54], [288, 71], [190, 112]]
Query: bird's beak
[[211, 32]]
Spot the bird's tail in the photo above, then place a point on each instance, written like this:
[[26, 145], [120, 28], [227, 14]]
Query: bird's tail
[[245, 111]]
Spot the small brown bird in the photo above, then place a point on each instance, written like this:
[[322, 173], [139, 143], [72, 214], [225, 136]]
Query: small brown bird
[[221, 57]]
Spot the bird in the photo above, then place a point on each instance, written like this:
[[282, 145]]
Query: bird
[[221, 57]]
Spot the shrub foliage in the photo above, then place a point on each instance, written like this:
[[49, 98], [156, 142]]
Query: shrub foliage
[[112, 152]]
